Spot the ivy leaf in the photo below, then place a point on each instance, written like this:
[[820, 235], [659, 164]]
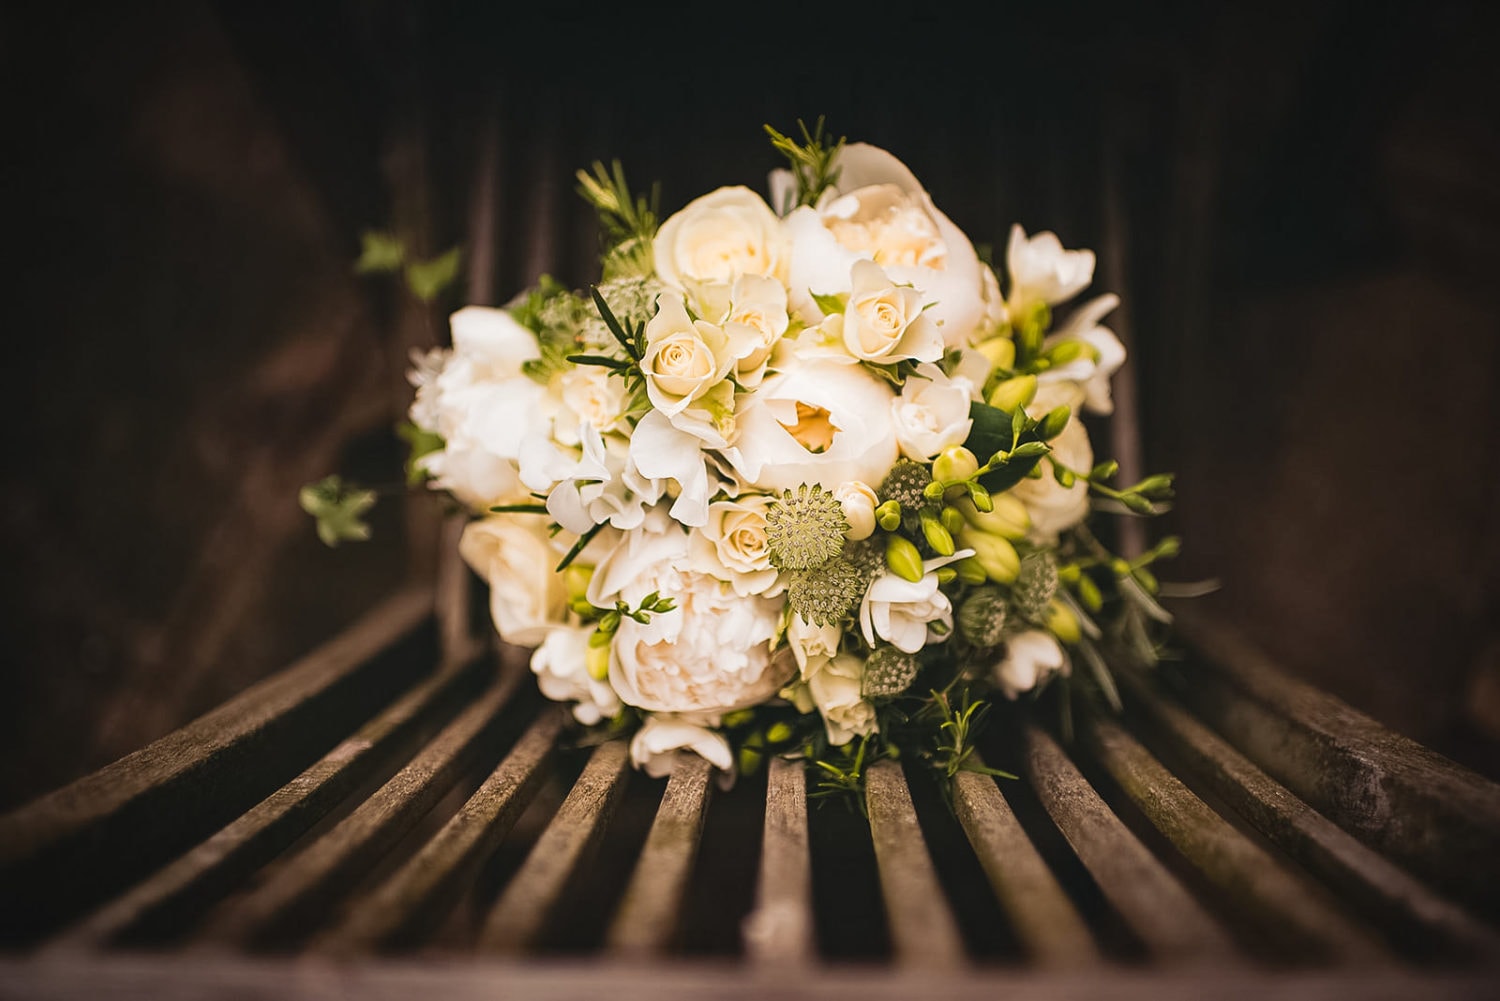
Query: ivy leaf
[[339, 510], [380, 252], [427, 279]]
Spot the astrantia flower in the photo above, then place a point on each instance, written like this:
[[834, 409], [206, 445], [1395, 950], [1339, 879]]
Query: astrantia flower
[[804, 527]]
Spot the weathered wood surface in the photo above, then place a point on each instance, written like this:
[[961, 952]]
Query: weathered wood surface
[[780, 930], [924, 931], [77, 845]]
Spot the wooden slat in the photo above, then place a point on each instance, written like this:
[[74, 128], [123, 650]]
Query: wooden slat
[[1416, 917], [646, 923], [203, 875], [437, 873], [780, 930], [521, 915], [1169, 921], [1042, 916], [924, 932], [1258, 885], [298, 894], [78, 845], [1422, 810]]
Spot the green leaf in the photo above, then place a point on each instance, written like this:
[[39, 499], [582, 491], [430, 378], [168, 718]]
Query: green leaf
[[829, 304], [428, 279], [339, 510], [380, 252], [419, 442]]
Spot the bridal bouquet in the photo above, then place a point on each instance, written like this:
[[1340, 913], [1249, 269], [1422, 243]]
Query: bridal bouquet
[[801, 473]]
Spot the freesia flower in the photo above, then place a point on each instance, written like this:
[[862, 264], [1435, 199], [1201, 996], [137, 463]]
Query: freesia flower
[[1030, 657], [561, 668], [1102, 358], [655, 746], [909, 614], [1042, 271]]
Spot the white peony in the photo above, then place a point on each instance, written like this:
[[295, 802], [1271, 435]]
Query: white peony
[[1042, 271], [909, 614], [1030, 657], [718, 237], [820, 421], [710, 654], [516, 556], [835, 687], [561, 668], [932, 413], [655, 746], [879, 211]]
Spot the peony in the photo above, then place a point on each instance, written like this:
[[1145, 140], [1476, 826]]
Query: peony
[[1030, 657], [885, 322], [836, 688], [1042, 271], [517, 558], [655, 746], [931, 413], [561, 668], [710, 654], [731, 546], [820, 421], [880, 212], [718, 237]]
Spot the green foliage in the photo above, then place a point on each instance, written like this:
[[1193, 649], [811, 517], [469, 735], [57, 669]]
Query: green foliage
[[429, 279], [811, 162], [419, 442], [381, 252], [339, 509], [628, 222]]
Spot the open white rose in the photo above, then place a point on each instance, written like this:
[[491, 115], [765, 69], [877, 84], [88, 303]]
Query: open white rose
[[516, 556], [731, 546], [655, 746], [879, 211], [1042, 271], [1030, 657], [820, 421], [561, 668], [931, 413], [710, 654], [718, 237], [685, 358], [909, 614], [835, 687], [886, 323], [753, 314]]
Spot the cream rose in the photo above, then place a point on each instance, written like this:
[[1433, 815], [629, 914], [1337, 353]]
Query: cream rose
[[880, 212], [884, 322], [516, 556], [820, 421], [684, 359], [753, 314], [718, 237], [731, 546], [931, 413], [835, 688]]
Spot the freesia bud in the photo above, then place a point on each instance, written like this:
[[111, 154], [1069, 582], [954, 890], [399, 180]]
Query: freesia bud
[[858, 501], [996, 555], [1062, 623], [904, 559], [937, 536], [970, 571], [596, 659], [1006, 518], [1001, 351], [1053, 424], [1013, 394], [952, 519], [954, 465]]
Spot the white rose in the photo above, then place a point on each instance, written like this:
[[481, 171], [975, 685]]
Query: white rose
[[1029, 658], [589, 395], [718, 237], [820, 421], [858, 501], [684, 359], [731, 546], [1042, 271], [710, 654], [655, 746], [835, 688], [516, 556], [879, 211], [753, 313], [931, 413], [561, 668], [1052, 507], [884, 322], [909, 614], [812, 644]]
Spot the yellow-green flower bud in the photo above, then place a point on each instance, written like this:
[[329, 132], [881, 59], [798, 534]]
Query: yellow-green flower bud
[[997, 556], [937, 536], [1006, 518], [1013, 394], [903, 558], [952, 519], [1053, 424], [596, 659], [778, 733], [1067, 351], [970, 570], [1001, 351], [954, 465], [888, 515], [1088, 593], [1062, 623]]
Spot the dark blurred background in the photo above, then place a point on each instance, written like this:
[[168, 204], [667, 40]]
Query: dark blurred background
[[1297, 202]]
